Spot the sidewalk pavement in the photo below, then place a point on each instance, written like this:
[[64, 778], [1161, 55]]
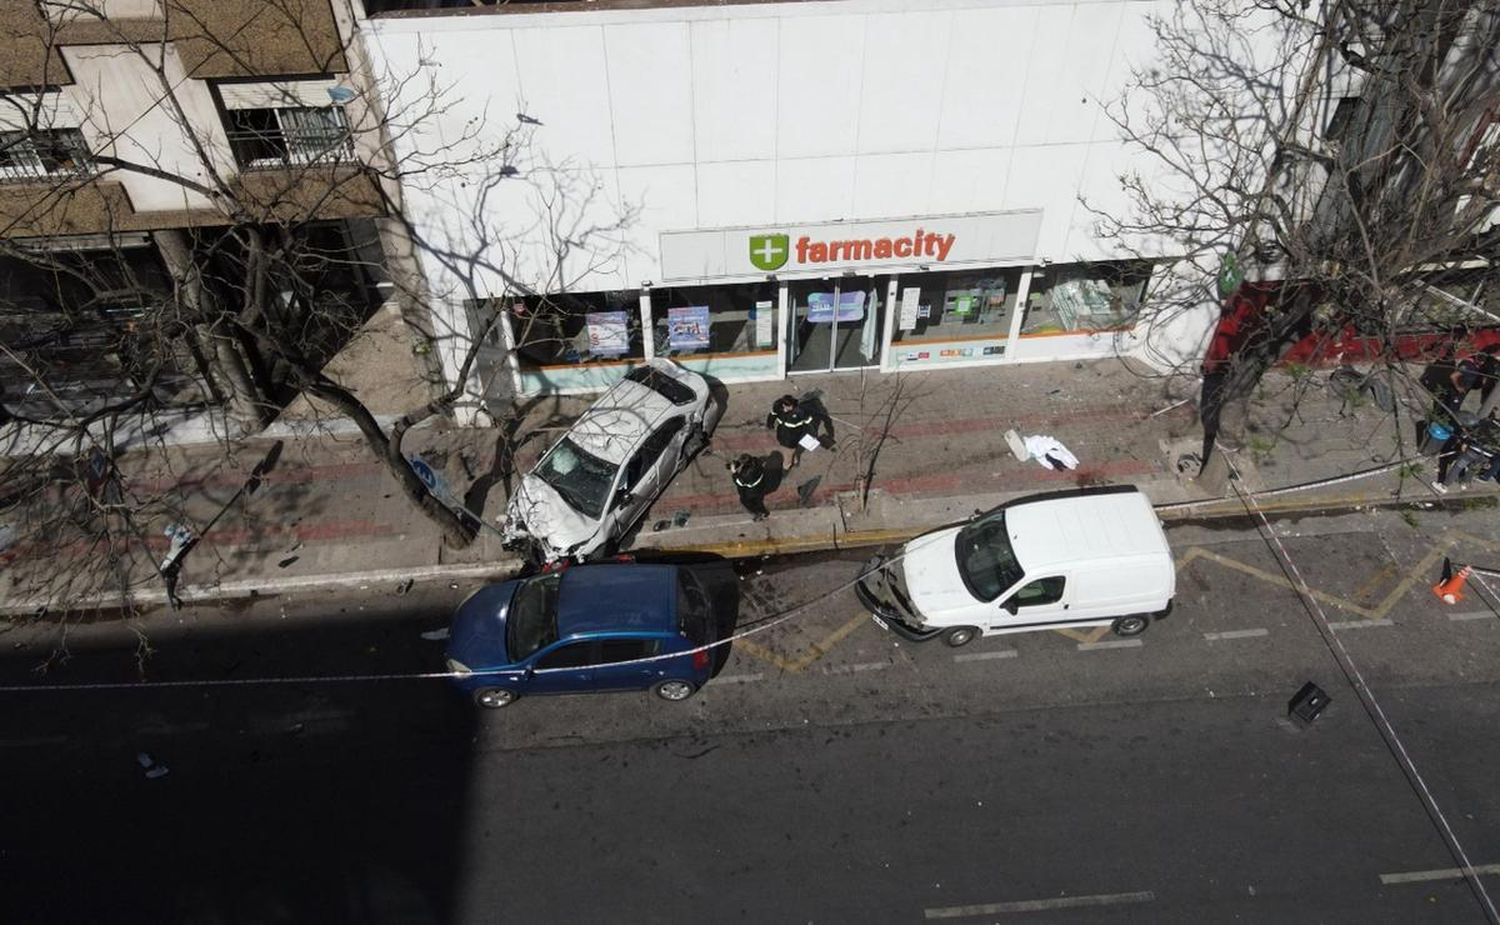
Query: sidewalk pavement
[[913, 452]]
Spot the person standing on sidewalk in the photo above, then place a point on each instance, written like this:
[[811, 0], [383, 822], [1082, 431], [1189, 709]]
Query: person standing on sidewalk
[[1477, 371], [749, 476], [1479, 447], [793, 420]]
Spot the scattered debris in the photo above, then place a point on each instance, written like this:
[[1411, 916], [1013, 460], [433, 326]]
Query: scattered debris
[[150, 767], [436, 635], [405, 586]]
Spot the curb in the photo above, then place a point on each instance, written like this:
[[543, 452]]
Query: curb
[[250, 588], [1208, 510]]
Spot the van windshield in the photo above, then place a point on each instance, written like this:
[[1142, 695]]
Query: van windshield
[[986, 561]]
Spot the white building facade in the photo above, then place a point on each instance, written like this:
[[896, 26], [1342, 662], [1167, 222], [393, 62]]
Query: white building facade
[[766, 190]]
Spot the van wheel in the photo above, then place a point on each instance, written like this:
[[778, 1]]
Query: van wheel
[[1133, 625], [959, 636]]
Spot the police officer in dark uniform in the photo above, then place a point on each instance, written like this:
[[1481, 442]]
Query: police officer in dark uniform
[[750, 481], [792, 421]]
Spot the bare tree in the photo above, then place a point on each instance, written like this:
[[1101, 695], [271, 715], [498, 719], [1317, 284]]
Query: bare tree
[[1334, 163], [230, 318]]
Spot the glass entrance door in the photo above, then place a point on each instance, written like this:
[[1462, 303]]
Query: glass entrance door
[[835, 323]]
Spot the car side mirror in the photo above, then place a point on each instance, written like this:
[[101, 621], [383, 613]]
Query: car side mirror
[[1012, 606], [528, 672], [623, 497]]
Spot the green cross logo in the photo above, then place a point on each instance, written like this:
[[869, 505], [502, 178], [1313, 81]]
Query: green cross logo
[[768, 251]]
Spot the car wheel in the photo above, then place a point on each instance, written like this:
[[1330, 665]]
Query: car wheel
[[960, 636], [1133, 625], [493, 698], [673, 689]]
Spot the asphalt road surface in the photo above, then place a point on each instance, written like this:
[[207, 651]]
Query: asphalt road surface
[[830, 773]]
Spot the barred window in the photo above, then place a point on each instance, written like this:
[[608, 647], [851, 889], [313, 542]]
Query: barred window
[[44, 154], [288, 136]]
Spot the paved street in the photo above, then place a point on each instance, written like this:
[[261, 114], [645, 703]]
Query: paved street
[[831, 773]]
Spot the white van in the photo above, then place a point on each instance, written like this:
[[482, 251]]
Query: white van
[[1092, 557]]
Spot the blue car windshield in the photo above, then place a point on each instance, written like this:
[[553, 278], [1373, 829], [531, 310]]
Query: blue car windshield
[[986, 560], [532, 621], [583, 480]]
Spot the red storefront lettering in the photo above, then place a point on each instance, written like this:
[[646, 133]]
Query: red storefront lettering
[[922, 244]]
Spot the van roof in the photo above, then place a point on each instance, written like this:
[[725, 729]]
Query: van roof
[[1058, 532]]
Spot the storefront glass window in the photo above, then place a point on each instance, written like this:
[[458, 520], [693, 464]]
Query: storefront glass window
[[699, 321], [566, 329], [1084, 297], [955, 306]]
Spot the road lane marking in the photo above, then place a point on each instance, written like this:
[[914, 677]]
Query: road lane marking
[[1040, 905], [1358, 624], [1447, 873], [738, 679], [1236, 634], [1112, 644], [862, 666], [983, 656], [1473, 615]]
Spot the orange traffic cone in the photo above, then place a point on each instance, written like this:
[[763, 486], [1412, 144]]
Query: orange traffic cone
[[1451, 590]]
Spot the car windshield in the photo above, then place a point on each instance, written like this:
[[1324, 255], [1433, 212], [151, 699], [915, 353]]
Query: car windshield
[[986, 560], [582, 479], [532, 621]]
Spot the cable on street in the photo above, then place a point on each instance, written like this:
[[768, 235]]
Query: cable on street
[[1373, 710]]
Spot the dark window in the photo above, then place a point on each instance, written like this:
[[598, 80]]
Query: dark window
[[1041, 591], [645, 458], [692, 608], [708, 320], [58, 152], [573, 655], [566, 328], [291, 135], [532, 620], [626, 650], [662, 384]]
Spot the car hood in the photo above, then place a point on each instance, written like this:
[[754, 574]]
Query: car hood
[[930, 568], [540, 512], [477, 636]]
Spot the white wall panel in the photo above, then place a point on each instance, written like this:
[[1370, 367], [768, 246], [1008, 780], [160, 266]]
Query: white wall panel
[[892, 185], [985, 79], [1048, 62], [118, 96], [734, 88], [1046, 177], [1088, 50], [971, 180], [665, 197], [736, 193], [815, 189], [818, 90], [563, 84], [898, 111], [651, 93]]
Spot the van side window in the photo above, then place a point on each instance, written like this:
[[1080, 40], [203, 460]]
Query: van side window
[[1041, 591]]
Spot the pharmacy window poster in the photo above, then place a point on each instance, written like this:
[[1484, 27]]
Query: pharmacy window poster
[[609, 333], [820, 307], [687, 328]]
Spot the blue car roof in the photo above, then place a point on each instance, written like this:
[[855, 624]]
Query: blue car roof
[[596, 598]]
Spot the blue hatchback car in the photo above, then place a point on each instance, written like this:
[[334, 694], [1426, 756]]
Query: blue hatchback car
[[581, 629]]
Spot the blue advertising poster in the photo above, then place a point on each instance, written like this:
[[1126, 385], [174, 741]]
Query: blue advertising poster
[[820, 307], [687, 328]]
